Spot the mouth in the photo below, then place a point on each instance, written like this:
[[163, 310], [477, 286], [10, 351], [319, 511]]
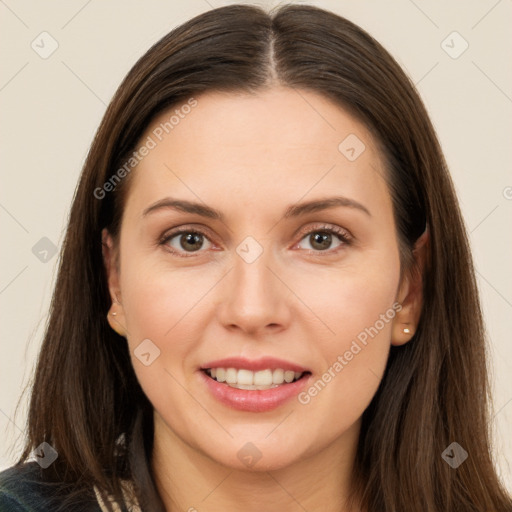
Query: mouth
[[241, 378], [254, 385]]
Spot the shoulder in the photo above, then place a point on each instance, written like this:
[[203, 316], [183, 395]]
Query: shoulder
[[22, 489], [16, 489]]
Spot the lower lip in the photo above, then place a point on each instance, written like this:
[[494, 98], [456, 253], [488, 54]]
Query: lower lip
[[259, 400]]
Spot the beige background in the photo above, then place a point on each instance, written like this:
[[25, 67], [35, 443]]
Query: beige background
[[51, 108]]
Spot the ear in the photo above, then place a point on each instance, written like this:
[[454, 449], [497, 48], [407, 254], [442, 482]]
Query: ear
[[115, 316], [410, 294]]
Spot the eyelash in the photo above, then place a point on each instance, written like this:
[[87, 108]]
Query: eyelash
[[341, 233]]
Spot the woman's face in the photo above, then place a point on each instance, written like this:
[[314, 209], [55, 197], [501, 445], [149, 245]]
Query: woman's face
[[287, 265]]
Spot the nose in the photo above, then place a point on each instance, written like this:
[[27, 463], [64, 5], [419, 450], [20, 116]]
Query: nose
[[255, 299]]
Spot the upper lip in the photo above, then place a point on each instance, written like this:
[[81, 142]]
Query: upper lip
[[254, 364]]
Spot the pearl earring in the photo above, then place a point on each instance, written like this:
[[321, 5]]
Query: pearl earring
[[407, 330]]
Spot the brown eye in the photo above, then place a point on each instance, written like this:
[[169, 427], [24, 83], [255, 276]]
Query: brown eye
[[320, 240], [191, 241], [186, 241]]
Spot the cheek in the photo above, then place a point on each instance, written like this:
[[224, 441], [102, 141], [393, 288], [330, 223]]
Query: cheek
[[161, 305], [155, 304], [159, 301], [356, 304], [166, 306], [350, 298]]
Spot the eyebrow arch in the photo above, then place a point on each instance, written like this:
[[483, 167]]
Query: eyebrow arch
[[292, 211], [184, 206], [323, 204]]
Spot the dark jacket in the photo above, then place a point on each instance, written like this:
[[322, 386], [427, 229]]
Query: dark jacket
[[23, 490]]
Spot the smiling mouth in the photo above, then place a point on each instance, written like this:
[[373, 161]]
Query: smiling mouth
[[249, 380]]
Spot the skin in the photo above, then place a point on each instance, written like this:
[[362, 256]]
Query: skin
[[252, 156]]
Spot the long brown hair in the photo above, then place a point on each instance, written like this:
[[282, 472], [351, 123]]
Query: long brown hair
[[86, 400]]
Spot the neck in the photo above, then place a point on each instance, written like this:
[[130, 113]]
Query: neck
[[188, 480]]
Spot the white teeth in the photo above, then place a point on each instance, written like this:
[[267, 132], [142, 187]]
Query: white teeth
[[278, 376], [289, 376], [263, 378], [231, 376], [247, 379]]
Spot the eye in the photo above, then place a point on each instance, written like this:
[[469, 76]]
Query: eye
[[321, 239], [186, 241]]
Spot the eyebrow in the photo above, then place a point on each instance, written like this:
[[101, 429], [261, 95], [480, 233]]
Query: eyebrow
[[292, 211]]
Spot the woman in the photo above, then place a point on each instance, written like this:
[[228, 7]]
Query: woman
[[266, 299]]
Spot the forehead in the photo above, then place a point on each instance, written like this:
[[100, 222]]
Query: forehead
[[278, 143]]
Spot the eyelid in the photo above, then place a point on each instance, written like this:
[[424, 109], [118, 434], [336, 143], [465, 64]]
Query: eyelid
[[168, 235], [330, 228], [188, 228], [346, 238]]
